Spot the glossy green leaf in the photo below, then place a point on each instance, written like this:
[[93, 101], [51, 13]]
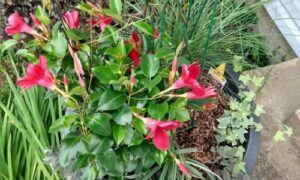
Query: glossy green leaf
[[76, 34], [110, 161], [120, 51], [81, 161], [123, 116], [144, 27], [100, 124], [78, 90], [158, 111], [41, 14], [149, 65], [63, 122], [111, 100], [105, 74], [140, 126], [8, 44], [59, 46], [165, 53], [25, 53], [84, 7], [118, 133], [116, 6], [104, 145], [150, 84]]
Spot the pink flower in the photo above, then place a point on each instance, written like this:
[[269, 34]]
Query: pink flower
[[132, 79], [35, 21], [189, 76], [16, 25], [102, 20], [38, 75], [182, 167], [72, 19], [200, 92], [158, 131], [173, 71], [77, 65]]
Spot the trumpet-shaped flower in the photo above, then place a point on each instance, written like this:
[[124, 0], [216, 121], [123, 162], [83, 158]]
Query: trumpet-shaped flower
[[200, 92], [189, 77], [102, 21], [158, 132], [16, 25], [77, 65], [35, 21], [182, 167], [72, 19], [38, 75], [134, 53]]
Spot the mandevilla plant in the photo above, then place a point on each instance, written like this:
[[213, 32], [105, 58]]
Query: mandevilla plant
[[116, 90]]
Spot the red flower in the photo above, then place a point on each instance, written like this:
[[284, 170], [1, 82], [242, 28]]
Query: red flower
[[102, 20], [35, 21], [182, 167], [16, 25], [156, 33], [72, 19], [134, 54], [200, 92], [38, 75], [189, 77], [77, 65], [158, 131], [173, 71]]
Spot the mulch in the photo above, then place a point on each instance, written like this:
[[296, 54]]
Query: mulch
[[203, 135]]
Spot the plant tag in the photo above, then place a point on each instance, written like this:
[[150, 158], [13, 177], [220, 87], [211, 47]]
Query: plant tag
[[218, 75]]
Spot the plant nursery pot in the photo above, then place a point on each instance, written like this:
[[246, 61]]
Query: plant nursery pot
[[252, 144]]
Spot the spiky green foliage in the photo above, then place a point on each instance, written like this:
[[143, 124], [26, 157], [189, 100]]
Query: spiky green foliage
[[24, 122]]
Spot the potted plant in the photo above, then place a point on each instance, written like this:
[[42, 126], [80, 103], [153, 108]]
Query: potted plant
[[125, 95]]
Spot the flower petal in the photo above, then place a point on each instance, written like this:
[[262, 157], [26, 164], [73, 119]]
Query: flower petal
[[135, 57], [169, 125], [26, 82], [161, 139], [183, 168], [194, 71]]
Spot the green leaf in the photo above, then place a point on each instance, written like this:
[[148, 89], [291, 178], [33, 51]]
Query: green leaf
[[110, 34], [25, 53], [140, 126], [240, 167], [178, 111], [8, 44], [259, 110], [144, 27], [257, 81], [41, 14], [111, 100], [165, 53], [116, 6], [245, 79], [78, 90], [288, 131], [279, 136], [258, 127], [159, 157], [118, 133], [110, 161], [100, 124], [89, 173], [158, 111], [63, 122], [249, 96], [59, 46], [120, 51], [76, 34], [86, 49], [105, 74], [150, 84], [104, 145], [123, 116], [81, 161], [129, 135], [84, 7], [149, 65]]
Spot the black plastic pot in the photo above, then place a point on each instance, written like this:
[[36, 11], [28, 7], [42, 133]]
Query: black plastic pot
[[252, 144]]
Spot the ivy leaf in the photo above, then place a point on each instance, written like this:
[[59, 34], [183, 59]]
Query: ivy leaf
[[149, 65], [257, 81], [245, 78], [288, 131], [279, 136], [258, 127], [259, 110], [249, 96], [111, 100], [118, 133], [240, 167]]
